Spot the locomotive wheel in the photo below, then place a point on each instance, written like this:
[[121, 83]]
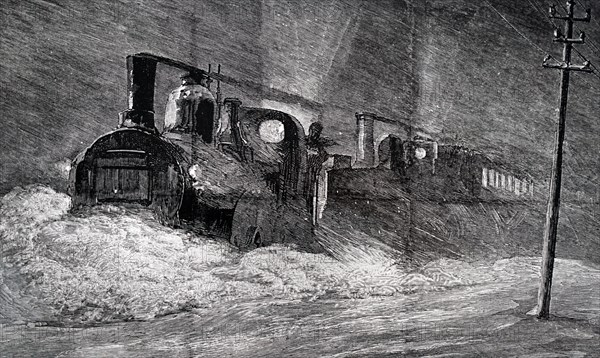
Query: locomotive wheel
[[255, 237], [254, 222], [168, 202], [167, 209], [250, 240]]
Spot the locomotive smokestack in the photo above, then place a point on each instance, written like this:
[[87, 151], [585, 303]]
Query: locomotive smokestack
[[365, 144], [141, 73]]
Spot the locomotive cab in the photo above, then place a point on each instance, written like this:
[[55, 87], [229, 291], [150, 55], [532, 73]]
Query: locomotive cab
[[191, 108]]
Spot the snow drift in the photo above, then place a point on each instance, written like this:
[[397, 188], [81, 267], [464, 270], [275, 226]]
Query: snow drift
[[112, 263]]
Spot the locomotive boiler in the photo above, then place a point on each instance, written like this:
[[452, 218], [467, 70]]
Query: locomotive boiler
[[231, 171]]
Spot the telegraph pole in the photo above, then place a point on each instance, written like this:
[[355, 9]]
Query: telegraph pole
[[542, 310]]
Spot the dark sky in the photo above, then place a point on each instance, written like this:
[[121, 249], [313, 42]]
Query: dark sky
[[469, 72]]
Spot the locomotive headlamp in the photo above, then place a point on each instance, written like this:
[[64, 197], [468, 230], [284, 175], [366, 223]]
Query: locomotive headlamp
[[420, 153], [271, 131]]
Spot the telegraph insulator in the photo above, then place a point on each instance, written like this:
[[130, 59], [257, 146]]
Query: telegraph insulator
[[552, 10], [557, 33], [586, 64], [547, 58], [582, 35]]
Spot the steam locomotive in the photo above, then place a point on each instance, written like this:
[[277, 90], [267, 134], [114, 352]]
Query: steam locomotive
[[426, 198], [407, 159], [233, 171], [246, 175]]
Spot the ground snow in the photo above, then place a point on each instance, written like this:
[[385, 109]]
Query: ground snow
[[117, 263]]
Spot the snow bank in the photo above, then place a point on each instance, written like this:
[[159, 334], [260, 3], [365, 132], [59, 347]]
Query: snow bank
[[22, 211], [118, 263]]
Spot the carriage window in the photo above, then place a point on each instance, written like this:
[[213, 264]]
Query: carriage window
[[271, 131]]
